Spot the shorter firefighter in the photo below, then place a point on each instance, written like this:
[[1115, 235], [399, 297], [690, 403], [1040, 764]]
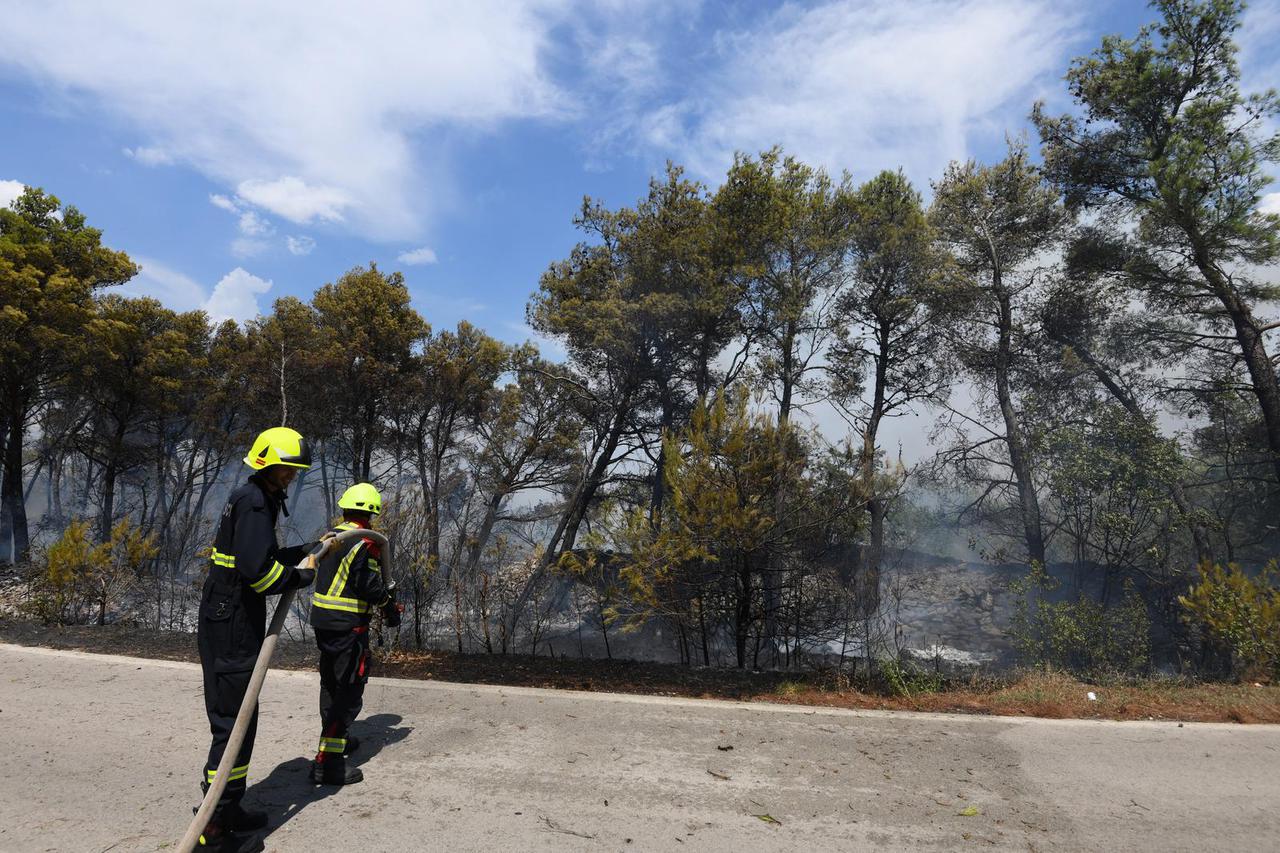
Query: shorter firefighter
[[349, 587]]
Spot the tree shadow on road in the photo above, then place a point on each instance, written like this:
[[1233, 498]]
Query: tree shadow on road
[[288, 789]]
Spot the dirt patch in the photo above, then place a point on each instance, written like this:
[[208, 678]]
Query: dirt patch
[[1038, 695]]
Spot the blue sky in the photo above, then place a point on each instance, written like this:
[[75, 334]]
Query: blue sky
[[244, 151]]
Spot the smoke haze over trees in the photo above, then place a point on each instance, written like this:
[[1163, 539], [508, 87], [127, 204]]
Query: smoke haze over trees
[[1089, 324]]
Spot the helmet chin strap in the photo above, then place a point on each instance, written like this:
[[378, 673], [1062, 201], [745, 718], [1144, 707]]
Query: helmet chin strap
[[281, 494]]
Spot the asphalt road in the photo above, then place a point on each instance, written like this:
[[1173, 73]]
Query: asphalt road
[[104, 753]]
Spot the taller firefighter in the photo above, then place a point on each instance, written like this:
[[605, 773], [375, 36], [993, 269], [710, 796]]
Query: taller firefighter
[[247, 565], [350, 587]]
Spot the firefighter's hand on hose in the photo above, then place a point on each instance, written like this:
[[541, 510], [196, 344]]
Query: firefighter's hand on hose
[[324, 544], [301, 578], [391, 613]]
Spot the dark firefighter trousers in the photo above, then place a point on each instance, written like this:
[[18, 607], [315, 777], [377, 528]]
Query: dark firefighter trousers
[[344, 671], [223, 693]]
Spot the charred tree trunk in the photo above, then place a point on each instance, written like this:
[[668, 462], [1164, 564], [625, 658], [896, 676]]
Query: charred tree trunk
[[742, 612], [869, 578], [769, 579], [14, 534], [110, 473], [1253, 349], [659, 475], [1019, 451]]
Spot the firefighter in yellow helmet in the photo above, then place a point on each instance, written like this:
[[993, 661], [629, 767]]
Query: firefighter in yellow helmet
[[247, 565], [350, 586]]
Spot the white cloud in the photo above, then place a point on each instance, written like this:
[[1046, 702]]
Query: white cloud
[[623, 45], [9, 192], [1259, 31], [272, 102], [151, 156], [218, 200], [295, 200], [253, 225], [867, 86], [176, 290], [248, 247], [631, 52], [286, 102], [302, 245], [417, 257], [235, 297], [1270, 203]]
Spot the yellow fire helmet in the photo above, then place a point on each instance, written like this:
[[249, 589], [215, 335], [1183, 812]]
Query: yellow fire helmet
[[363, 497], [279, 446]]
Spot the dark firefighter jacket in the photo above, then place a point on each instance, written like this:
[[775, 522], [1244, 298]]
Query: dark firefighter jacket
[[349, 585], [247, 566]]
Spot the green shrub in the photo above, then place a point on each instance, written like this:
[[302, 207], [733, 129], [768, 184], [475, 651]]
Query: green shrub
[[54, 584], [77, 579], [905, 679], [1082, 636], [1239, 613]]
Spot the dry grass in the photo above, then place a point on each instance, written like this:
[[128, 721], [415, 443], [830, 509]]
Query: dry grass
[[1051, 695], [1059, 696]]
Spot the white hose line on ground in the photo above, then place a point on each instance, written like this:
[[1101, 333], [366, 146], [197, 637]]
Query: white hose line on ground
[[232, 750]]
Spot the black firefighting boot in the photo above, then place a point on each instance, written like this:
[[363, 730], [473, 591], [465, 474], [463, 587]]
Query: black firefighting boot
[[235, 817], [241, 819], [217, 839], [335, 772]]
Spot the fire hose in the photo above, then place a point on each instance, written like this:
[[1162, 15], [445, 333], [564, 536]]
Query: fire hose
[[234, 742]]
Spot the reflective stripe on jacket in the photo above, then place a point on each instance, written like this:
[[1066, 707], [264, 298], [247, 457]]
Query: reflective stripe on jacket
[[349, 584], [245, 566], [245, 542]]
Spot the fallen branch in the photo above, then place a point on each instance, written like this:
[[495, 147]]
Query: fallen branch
[[551, 826]]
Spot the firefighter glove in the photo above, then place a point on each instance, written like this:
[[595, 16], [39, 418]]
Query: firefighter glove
[[391, 613]]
